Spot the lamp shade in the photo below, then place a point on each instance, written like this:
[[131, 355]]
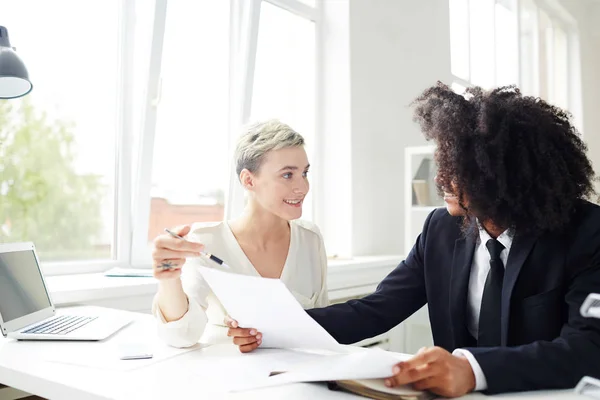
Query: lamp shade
[[14, 78]]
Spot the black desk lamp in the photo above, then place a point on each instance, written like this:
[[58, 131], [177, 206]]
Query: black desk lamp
[[14, 78]]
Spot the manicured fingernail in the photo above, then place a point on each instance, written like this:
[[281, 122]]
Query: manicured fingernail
[[396, 370], [388, 383], [259, 342], [253, 332], [259, 336]]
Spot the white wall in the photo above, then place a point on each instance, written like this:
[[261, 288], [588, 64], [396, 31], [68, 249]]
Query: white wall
[[587, 14], [397, 49], [333, 191], [590, 73]]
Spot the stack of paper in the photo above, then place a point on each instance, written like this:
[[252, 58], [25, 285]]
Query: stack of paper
[[267, 305]]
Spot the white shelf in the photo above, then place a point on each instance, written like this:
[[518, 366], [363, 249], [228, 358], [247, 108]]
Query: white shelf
[[414, 215]]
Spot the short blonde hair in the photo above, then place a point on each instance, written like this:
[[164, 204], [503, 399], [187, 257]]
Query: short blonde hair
[[260, 138]]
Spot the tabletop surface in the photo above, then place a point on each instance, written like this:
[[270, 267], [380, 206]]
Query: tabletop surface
[[92, 370]]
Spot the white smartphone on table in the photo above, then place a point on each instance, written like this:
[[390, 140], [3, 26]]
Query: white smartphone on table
[[134, 351]]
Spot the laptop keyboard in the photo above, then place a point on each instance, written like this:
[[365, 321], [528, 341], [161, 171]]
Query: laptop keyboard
[[60, 325]]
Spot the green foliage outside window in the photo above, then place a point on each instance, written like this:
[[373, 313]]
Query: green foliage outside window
[[42, 198]]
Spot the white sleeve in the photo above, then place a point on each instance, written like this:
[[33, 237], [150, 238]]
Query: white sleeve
[[184, 332], [323, 298], [480, 380], [187, 330]]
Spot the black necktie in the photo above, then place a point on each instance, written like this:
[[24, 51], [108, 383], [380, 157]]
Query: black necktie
[[489, 316]]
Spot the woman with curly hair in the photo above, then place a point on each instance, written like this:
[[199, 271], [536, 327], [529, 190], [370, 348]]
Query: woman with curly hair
[[505, 267]]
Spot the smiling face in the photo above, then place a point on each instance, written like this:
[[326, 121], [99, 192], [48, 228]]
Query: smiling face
[[281, 183]]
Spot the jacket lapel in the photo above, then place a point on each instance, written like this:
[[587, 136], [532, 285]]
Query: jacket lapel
[[519, 252], [464, 250]]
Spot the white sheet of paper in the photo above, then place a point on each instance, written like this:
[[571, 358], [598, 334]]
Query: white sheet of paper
[[369, 367], [227, 371], [368, 364], [267, 305]]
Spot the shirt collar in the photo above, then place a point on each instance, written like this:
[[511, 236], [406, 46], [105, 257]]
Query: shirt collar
[[506, 238]]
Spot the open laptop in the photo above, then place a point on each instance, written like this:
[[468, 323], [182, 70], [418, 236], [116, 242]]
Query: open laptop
[[26, 310]]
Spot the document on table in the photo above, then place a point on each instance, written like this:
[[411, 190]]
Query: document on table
[[267, 305], [368, 367], [366, 364], [224, 368]]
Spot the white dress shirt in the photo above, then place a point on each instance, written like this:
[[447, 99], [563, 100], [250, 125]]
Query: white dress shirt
[[304, 273], [479, 272]]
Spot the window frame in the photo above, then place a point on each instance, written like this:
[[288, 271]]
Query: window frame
[[140, 204], [133, 175], [242, 76], [121, 243], [557, 15]]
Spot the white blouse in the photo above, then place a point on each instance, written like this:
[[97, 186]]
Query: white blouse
[[304, 273]]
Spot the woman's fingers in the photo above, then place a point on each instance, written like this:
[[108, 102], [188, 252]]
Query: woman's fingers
[[168, 242], [165, 254], [172, 264], [243, 341], [249, 347], [181, 230], [230, 322], [243, 332], [168, 269], [247, 339], [169, 253]]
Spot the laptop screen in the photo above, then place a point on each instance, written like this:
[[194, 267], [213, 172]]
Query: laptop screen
[[22, 290]]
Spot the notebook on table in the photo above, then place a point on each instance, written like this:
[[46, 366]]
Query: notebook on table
[[376, 389]]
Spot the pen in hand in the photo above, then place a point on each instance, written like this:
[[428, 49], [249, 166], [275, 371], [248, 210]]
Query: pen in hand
[[209, 255]]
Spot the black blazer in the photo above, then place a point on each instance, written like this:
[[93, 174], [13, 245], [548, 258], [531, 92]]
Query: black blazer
[[546, 343]]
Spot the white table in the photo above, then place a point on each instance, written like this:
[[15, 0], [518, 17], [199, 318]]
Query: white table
[[33, 367]]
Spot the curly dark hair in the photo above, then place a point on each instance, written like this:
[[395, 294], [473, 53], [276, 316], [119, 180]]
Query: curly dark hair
[[518, 161]]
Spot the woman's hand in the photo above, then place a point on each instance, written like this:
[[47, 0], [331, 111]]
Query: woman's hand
[[247, 339], [169, 253]]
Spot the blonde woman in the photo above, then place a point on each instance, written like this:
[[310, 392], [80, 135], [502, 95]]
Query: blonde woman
[[267, 240]]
